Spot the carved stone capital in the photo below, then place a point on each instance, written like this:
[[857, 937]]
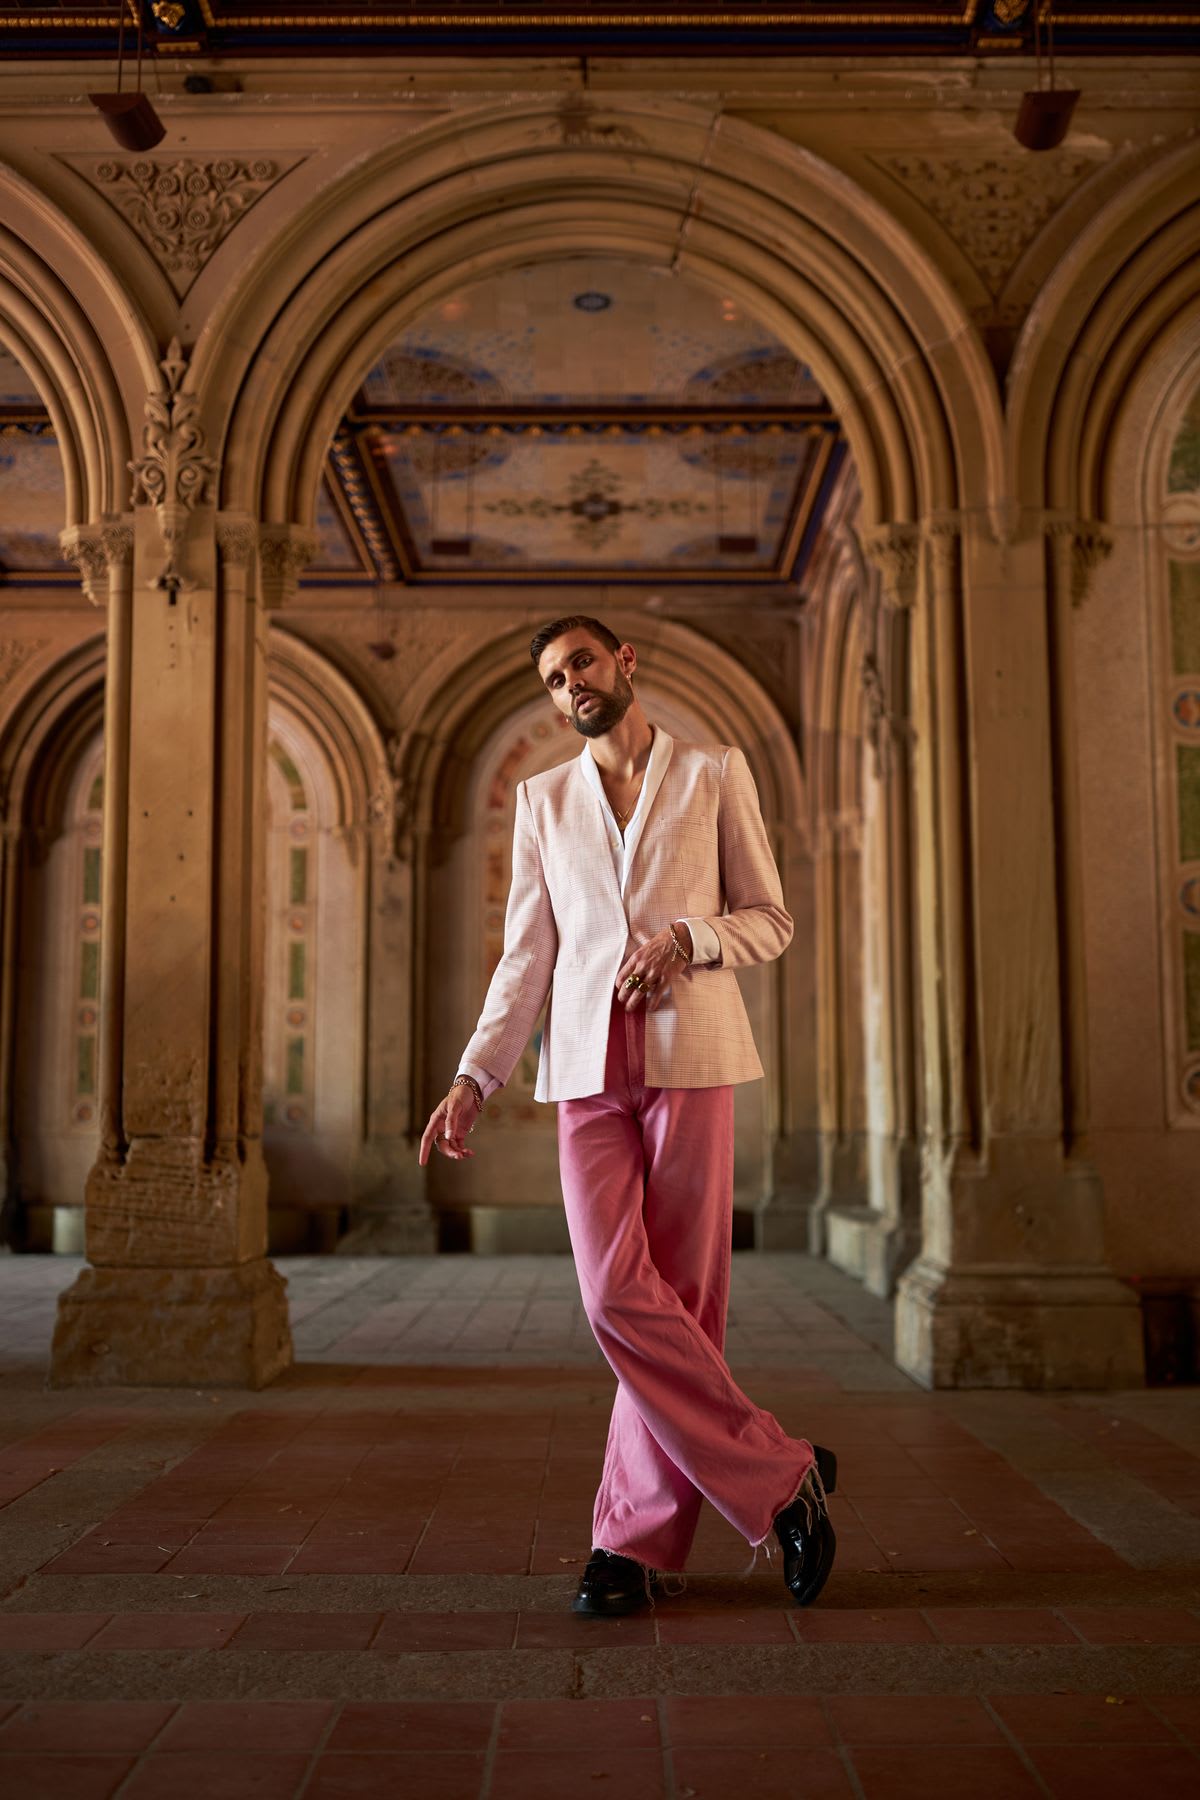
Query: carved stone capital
[[943, 535], [1079, 546], [96, 549], [285, 551], [895, 550], [116, 535], [237, 539], [84, 546]]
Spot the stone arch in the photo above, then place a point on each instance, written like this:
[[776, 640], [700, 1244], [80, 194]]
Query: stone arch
[[1133, 270], [85, 343], [466, 700], [56, 721], [1127, 694], [826, 268]]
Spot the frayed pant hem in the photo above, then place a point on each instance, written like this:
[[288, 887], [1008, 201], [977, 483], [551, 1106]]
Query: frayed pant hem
[[811, 1479]]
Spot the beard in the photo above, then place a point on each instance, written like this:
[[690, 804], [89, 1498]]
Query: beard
[[608, 711]]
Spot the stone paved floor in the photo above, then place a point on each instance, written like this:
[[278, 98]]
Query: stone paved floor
[[357, 1582]]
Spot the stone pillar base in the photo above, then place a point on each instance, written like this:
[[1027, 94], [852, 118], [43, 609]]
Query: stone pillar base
[[1017, 1329], [390, 1231], [863, 1242], [123, 1327]]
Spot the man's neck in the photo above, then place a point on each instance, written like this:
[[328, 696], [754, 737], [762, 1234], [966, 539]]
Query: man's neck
[[623, 752]]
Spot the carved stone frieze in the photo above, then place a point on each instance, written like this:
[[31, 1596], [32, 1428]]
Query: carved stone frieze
[[183, 207], [174, 473], [1080, 546], [285, 551], [992, 206]]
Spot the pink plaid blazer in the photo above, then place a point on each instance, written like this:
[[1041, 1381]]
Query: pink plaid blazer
[[703, 852]]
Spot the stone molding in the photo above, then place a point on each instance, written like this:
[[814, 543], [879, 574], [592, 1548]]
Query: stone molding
[[174, 473], [1086, 543], [183, 208], [285, 551]]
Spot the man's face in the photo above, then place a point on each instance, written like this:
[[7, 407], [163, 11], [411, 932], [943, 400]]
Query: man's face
[[586, 682]]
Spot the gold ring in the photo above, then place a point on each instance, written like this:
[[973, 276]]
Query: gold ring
[[634, 981]]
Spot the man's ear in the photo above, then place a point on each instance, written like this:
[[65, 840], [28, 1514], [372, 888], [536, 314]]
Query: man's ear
[[627, 657]]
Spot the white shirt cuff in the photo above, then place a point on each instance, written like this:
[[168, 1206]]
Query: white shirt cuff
[[487, 1083], [706, 945]]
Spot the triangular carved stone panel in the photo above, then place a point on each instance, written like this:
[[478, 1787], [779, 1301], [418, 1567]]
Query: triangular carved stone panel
[[182, 207], [992, 206]]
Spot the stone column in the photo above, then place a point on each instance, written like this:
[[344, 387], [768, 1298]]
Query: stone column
[[1011, 1288], [390, 1212], [178, 1289], [891, 1230]]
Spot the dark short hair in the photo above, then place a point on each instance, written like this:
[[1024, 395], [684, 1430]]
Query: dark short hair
[[576, 622]]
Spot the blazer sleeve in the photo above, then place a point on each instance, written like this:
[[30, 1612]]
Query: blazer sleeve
[[521, 981], [757, 927]]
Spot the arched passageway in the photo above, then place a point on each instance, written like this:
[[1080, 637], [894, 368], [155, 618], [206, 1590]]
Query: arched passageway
[[884, 709]]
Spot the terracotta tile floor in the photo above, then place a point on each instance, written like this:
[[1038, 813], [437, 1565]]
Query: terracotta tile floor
[[358, 1582]]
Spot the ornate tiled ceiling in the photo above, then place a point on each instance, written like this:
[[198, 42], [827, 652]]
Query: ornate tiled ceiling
[[239, 28], [31, 481], [590, 418], [587, 419]]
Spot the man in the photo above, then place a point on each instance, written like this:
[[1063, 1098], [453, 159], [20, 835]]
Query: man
[[642, 878]]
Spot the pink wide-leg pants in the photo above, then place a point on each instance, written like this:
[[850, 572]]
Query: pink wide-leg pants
[[647, 1176]]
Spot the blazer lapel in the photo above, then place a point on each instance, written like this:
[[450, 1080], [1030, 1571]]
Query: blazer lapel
[[660, 761], [587, 831]]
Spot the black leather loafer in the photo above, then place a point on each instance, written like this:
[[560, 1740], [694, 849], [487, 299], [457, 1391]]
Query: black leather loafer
[[613, 1585], [807, 1537]]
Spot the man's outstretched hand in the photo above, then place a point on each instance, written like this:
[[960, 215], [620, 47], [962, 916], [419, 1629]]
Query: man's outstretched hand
[[657, 963], [450, 1122]]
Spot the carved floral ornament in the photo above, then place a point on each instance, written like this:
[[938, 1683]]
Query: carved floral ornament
[[184, 208], [174, 473], [992, 206]]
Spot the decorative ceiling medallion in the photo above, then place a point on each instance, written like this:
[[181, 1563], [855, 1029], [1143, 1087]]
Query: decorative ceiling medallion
[[592, 302], [992, 206], [183, 209]]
